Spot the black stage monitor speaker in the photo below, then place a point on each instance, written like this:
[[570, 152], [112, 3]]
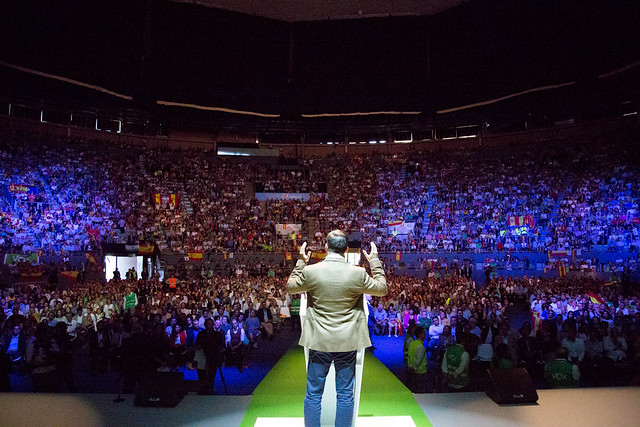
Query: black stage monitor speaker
[[161, 389], [511, 386]]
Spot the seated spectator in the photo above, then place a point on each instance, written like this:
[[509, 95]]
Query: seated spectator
[[615, 345], [252, 328], [574, 346], [394, 321], [503, 356], [561, 373], [380, 317]]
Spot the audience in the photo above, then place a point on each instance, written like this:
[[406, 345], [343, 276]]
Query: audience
[[71, 197]]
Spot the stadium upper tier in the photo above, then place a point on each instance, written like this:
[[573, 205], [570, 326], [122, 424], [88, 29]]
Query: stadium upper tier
[[60, 196]]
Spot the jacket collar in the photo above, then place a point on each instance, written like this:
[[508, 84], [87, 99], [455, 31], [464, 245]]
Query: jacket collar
[[335, 257]]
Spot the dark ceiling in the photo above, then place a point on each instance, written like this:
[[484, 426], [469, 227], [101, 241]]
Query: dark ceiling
[[186, 53]]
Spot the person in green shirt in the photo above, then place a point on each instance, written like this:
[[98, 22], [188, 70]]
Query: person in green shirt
[[130, 299], [560, 373], [417, 362], [423, 320], [455, 366]]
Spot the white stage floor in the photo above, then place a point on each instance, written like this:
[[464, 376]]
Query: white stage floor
[[584, 407], [405, 421], [89, 410]]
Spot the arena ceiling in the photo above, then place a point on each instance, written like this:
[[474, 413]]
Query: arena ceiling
[[306, 59], [320, 10]]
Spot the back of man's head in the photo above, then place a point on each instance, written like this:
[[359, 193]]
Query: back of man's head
[[337, 241], [562, 353]]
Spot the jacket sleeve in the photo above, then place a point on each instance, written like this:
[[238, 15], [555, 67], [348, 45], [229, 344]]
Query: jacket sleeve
[[297, 282], [376, 285]]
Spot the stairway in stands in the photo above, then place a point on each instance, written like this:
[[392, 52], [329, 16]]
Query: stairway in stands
[[553, 215], [141, 165], [429, 203], [185, 201]]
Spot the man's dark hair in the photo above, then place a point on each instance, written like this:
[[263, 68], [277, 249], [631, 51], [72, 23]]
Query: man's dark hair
[[418, 331], [337, 241]]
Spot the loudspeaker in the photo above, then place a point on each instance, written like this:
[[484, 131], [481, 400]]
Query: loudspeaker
[[161, 389], [511, 386]]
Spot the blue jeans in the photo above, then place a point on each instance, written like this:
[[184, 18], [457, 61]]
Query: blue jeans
[[319, 364]]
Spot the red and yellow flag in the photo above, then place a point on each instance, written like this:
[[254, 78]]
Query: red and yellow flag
[[145, 249], [158, 199], [398, 256], [562, 270], [595, 298], [317, 255], [195, 256]]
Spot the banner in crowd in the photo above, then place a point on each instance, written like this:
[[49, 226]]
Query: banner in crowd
[[519, 221], [399, 228], [516, 231], [286, 196], [195, 256], [171, 199], [398, 256], [288, 229], [559, 254], [22, 189], [11, 259], [91, 258], [9, 192]]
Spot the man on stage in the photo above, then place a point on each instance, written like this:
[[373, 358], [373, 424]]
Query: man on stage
[[336, 324]]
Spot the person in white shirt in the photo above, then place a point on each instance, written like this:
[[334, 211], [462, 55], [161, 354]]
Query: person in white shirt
[[574, 345], [615, 346]]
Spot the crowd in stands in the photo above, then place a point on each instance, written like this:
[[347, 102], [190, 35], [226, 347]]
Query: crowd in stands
[[79, 194], [581, 326]]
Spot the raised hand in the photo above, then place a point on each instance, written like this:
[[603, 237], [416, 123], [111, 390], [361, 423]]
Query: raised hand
[[373, 254], [304, 255]]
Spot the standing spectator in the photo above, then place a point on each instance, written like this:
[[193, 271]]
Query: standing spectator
[[130, 299], [417, 362], [235, 345], [211, 342], [455, 367]]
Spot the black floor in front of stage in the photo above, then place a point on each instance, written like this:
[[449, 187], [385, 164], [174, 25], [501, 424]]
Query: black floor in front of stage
[[259, 360]]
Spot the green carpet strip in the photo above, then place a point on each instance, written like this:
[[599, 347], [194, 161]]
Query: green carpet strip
[[281, 392]]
